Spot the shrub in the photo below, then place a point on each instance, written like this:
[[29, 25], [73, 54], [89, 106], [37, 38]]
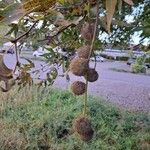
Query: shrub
[[140, 60], [136, 68], [122, 58], [119, 58], [107, 57]]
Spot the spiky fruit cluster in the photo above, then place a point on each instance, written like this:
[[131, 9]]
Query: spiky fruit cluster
[[84, 51], [78, 87], [92, 75], [82, 126], [87, 31], [79, 66]]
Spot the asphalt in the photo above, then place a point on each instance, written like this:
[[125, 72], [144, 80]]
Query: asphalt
[[127, 90]]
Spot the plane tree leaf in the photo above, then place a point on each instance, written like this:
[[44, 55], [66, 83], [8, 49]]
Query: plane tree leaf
[[110, 9], [130, 2]]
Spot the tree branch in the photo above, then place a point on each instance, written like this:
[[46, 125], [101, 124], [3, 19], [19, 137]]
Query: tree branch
[[62, 28], [95, 28], [25, 34], [91, 50]]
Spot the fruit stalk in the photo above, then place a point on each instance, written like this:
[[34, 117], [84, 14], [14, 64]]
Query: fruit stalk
[[91, 50]]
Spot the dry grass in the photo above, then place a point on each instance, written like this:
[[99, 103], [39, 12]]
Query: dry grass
[[42, 118]]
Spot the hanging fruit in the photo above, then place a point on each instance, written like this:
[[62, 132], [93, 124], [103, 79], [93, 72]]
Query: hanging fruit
[[78, 88], [84, 51], [82, 126], [91, 75], [87, 31], [79, 66]]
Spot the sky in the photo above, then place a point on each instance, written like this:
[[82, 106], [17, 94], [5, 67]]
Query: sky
[[135, 38], [130, 18]]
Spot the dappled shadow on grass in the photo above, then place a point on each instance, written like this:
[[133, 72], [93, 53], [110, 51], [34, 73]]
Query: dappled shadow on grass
[[42, 119]]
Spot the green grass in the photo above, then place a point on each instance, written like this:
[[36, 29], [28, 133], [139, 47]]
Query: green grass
[[41, 119]]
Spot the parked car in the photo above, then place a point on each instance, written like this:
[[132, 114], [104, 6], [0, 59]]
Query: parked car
[[132, 61], [41, 51], [61, 51], [98, 59], [147, 65]]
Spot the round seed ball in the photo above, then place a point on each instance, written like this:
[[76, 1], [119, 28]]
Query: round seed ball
[[82, 126], [92, 2], [84, 51], [92, 75], [79, 66], [78, 87], [87, 31]]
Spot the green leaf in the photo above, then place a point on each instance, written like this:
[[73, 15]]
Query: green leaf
[[9, 9], [120, 5], [2, 4], [61, 1], [4, 28], [14, 29], [11, 13]]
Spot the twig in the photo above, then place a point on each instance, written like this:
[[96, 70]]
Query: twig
[[91, 50], [95, 28], [94, 60], [17, 58], [85, 99], [63, 28], [25, 34]]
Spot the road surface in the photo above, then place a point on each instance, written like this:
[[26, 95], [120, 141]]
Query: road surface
[[127, 90], [131, 91]]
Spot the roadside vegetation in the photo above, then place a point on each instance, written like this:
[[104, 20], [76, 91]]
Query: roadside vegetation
[[42, 119], [46, 118]]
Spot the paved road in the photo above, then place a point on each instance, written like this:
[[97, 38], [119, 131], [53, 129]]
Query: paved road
[[128, 90], [123, 89]]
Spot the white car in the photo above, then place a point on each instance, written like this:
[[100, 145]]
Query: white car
[[39, 52], [60, 50], [42, 51], [98, 59]]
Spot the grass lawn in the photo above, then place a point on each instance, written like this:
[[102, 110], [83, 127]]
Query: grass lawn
[[41, 119]]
